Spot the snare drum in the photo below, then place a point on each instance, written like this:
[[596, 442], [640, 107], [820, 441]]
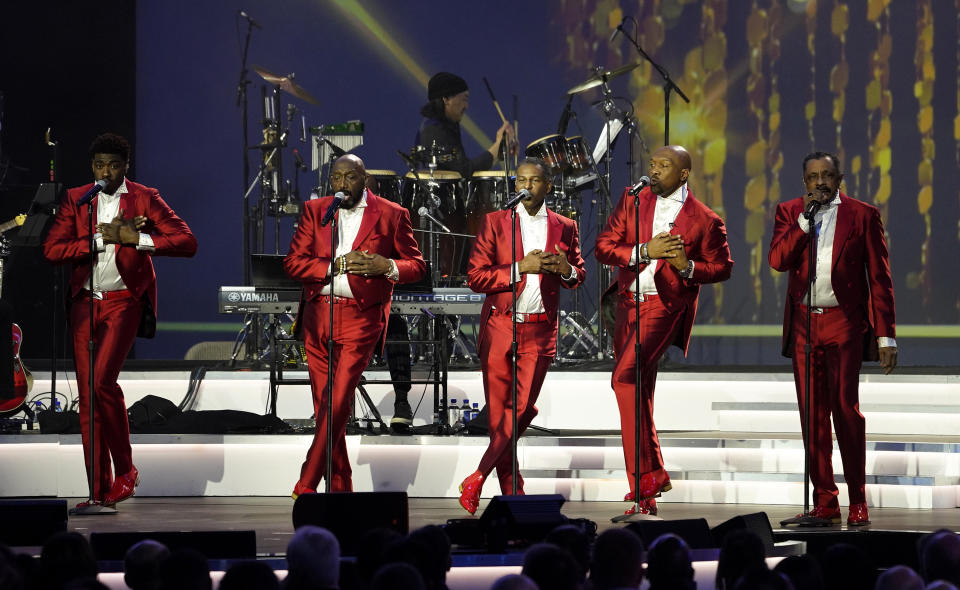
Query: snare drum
[[384, 183], [552, 150], [442, 194], [580, 160], [485, 194]]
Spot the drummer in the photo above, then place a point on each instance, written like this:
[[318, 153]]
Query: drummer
[[449, 99]]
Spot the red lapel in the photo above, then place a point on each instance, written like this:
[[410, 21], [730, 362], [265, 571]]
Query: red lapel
[[369, 221], [554, 231], [518, 251], [843, 230]]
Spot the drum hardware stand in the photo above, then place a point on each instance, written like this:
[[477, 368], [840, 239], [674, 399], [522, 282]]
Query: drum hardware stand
[[581, 332], [354, 424]]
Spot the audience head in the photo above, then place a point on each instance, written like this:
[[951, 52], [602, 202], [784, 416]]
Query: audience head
[[668, 564], [762, 579], [249, 575], [899, 577], [514, 582], [371, 554], [940, 557], [575, 541], [617, 560], [185, 569], [741, 553], [435, 560], [803, 571], [397, 576], [66, 556], [551, 568], [141, 565], [313, 559], [940, 585], [847, 567]]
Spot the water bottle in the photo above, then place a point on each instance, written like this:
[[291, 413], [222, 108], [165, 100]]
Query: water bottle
[[37, 408], [56, 406], [465, 414], [475, 412], [453, 413]]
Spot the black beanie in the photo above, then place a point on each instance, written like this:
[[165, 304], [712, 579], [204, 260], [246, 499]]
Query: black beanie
[[444, 84]]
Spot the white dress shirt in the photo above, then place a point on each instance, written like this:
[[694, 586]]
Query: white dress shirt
[[106, 276], [533, 234], [348, 226], [825, 221], [664, 215]]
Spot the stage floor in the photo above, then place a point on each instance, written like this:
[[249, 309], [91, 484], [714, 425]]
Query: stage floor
[[270, 517]]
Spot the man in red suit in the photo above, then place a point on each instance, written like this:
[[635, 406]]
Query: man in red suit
[[683, 244], [852, 320], [133, 224], [375, 250], [547, 257]]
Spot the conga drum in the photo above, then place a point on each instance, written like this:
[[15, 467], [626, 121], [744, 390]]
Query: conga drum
[[485, 193], [552, 150], [442, 195], [385, 183], [580, 160]]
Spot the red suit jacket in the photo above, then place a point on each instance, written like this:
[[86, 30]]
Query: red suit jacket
[[385, 230], [69, 239], [860, 273], [705, 241], [488, 270]]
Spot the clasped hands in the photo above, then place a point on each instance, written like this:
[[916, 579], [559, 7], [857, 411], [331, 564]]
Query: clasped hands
[[122, 231], [363, 263], [539, 262], [670, 247]]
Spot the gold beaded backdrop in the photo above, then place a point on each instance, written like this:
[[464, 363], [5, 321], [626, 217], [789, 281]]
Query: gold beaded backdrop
[[772, 80]]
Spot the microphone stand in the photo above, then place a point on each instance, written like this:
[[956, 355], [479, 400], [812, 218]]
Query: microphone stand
[[638, 405], [668, 84], [334, 227], [514, 277], [805, 519], [92, 506], [242, 103]]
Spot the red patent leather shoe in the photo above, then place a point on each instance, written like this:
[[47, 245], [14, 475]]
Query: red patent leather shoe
[[300, 488], [825, 513], [648, 506], [123, 487], [470, 492], [654, 483], [506, 484], [858, 515]]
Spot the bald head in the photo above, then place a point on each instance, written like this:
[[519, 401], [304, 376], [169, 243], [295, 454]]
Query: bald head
[[349, 177], [669, 168]]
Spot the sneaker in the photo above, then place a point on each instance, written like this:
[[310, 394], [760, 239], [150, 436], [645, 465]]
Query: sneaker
[[402, 416]]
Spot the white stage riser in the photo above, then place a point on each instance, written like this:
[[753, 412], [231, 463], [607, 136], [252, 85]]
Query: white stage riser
[[730, 402], [587, 469]]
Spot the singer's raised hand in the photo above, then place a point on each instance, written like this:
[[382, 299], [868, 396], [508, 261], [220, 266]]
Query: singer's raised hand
[[665, 245], [119, 231], [556, 263], [363, 263], [533, 262]]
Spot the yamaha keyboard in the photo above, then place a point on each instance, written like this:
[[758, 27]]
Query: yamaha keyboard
[[442, 301]]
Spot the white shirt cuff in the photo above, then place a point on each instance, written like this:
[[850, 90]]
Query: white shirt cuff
[[146, 243], [886, 341], [98, 237], [804, 224], [515, 276], [394, 274]]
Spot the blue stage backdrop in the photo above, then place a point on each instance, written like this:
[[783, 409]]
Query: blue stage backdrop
[[769, 81]]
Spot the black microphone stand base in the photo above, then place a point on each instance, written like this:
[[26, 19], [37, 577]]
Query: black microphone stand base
[[805, 520], [91, 509], [635, 517]]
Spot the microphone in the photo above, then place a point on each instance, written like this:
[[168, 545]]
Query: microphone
[[296, 156], [615, 31], [337, 150], [635, 189], [303, 128], [408, 160], [90, 194], [252, 22], [424, 212], [523, 194], [332, 209], [811, 208]]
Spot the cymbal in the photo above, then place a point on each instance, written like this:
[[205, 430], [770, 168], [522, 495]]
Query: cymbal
[[601, 77], [286, 84]]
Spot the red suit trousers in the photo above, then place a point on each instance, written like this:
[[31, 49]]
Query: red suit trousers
[[115, 323], [356, 333], [836, 356], [658, 328], [536, 347]]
